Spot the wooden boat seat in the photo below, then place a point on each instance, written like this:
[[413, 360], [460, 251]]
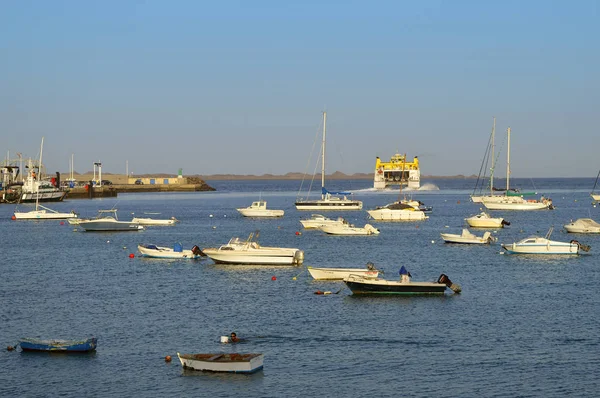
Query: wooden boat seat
[[215, 357]]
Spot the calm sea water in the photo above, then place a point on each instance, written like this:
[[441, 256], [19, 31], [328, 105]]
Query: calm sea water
[[523, 326]]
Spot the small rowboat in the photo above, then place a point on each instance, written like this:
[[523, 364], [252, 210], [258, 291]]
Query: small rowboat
[[232, 363], [59, 345], [167, 252], [338, 274], [154, 221]]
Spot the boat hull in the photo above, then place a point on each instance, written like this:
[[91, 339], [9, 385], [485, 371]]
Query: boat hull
[[583, 226], [151, 221], [556, 248], [261, 213], [378, 286], [397, 215], [230, 363], [59, 345], [167, 252], [104, 226], [43, 215], [516, 205], [338, 274], [349, 231], [485, 223], [55, 196], [323, 205], [452, 238], [258, 257]]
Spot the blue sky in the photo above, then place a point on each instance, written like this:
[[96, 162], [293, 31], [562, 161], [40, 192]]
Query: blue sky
[[239, 86]]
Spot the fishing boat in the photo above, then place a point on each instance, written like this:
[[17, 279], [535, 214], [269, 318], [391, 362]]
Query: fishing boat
[[362, 285], [583, 226], [484, 220], [259, 209], [539, 245], [248, 251], [317, 220], [59, 345], [154, 221], [397, 212], [107, 221], [176, 252], [595, 196], [220, 362], [349, 229], [467, 237], [338, 274], [397, 172], [329, 200], [518, 202]]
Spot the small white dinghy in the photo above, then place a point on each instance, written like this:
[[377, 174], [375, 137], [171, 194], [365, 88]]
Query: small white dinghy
[[468, 238], [154, 221], [484, 220], [167, 252], [583, 226], [338, 274], [349, 229], [317, 220], [232, 363], [259, 209]]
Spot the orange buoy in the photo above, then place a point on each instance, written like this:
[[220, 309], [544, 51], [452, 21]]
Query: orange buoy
[[458, 202], [168, 358], [13, 217], [273, 278], [298, 233], [131, 255], [10, 348]]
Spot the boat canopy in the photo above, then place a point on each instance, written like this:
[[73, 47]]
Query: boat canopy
[[178, 248], [325, 192]]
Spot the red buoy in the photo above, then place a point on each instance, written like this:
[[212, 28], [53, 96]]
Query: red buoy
[[131, 255], [13, 217], [168, 358], [62, 223], [298, 233], [273, 278]]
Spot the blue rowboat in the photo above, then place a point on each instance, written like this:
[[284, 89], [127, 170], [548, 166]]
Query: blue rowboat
[[59, 345]]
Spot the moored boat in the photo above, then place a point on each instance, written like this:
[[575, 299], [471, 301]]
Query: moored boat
[[221, 362], [467, 237], [177, 252], [317, 220], [349, 229], [397, 212], [362, 285], [110, 222], [238, 251], [484, 220], [259, 209], [539, 245], [338, 274], [154, 221], [43, 213], [87, 345], [583, 226], [593, 194]]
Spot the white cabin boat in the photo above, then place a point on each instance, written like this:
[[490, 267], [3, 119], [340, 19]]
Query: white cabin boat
[[397, 212], [175, 252], [484, 220], [467, 237], [237, 251], [539, 245], [583, 226], [329, 200], [221, 362], [107, 221], [338, 274], [259, 209], [154, 221], [317, 220], [349, 229]]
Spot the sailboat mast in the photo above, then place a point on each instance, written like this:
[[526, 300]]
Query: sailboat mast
[[493, 159], [323, 155], [508, 161], [37, 193]]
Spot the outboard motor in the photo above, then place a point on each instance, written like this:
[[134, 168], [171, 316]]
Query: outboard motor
[[504, 222], [585, 248], [196, 250], [446, 281], [371, 266], [299, 257]]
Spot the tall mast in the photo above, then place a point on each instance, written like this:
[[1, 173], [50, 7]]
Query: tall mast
[[37, 195], [508, 162], [323, 155], [493, 159]]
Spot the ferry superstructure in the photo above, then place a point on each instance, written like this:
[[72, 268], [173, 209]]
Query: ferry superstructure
[[397, 171]]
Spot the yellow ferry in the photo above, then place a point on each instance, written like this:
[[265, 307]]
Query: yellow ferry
[[397, 171]]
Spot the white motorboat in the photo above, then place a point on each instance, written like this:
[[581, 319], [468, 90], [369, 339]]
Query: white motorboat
[[176, 252], [221, 362], [397, 212], [468, 238], [514, 201], [107, 221], [484, 220], [583, 226], [259, 209], [154, 221], [43, 213], [329, 200], [349, 229], [338, 274], [539, 245], [248, 251], [316, 221]]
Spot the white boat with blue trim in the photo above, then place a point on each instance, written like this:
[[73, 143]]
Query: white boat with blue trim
[[539, 245]]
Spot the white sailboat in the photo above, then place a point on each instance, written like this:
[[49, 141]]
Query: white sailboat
[[507, 202], [595, 196], [329, 200], [41, 212]]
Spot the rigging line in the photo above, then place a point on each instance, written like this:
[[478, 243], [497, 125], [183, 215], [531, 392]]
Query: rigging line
[[308, 161], [486, 155]]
